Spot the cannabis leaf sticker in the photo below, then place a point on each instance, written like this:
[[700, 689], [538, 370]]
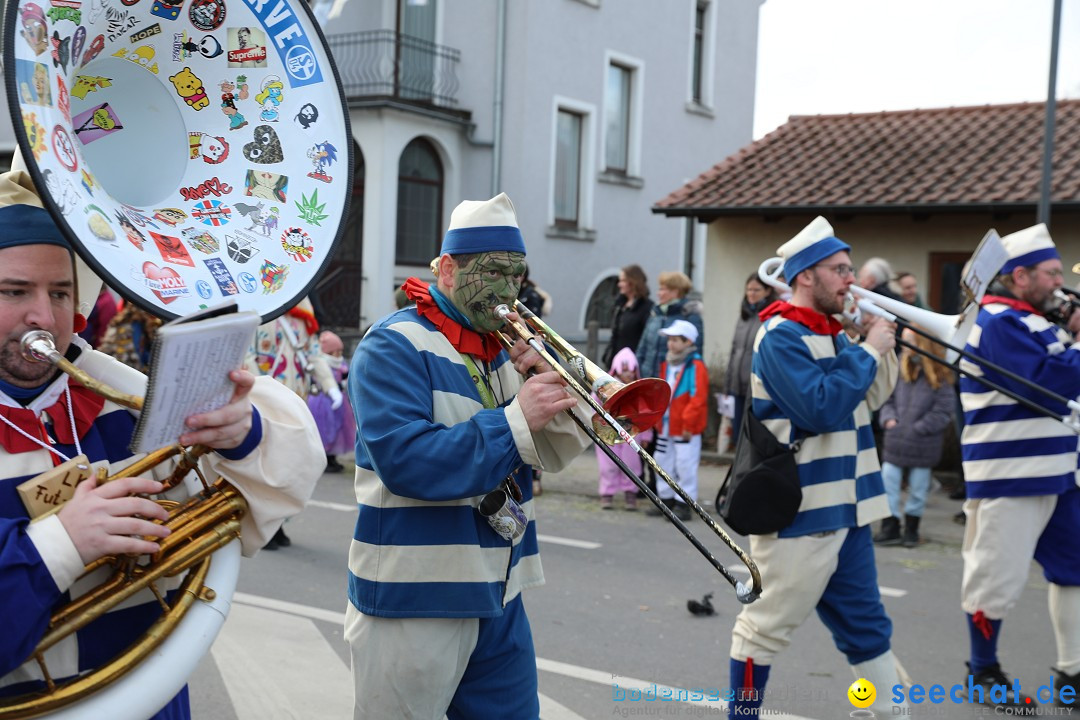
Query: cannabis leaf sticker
[[310, 209]]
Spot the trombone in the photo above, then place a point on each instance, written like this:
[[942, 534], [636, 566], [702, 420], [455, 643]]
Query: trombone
[[638, 405], [951, 332]]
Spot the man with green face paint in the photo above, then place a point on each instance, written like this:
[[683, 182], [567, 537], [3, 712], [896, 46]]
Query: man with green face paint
[[446, 425]]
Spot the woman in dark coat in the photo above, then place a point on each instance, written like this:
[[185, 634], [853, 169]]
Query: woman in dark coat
[[914, 420], [757, 297], [632, 308]]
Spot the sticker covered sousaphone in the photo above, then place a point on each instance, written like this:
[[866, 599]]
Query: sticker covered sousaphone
[[193, 151]]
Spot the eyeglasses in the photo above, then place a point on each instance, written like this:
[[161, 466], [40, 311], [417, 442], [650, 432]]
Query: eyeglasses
[[1052, 273], [840, 269]]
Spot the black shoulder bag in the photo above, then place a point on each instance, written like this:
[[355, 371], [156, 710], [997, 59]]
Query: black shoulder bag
[[761, 493]]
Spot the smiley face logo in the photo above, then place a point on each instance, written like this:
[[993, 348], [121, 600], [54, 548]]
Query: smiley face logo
[[862, 693]]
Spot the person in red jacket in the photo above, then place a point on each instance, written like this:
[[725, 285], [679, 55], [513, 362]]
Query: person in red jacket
[[678, 441]]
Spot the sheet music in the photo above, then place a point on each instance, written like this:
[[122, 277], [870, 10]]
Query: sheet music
[[984, 266], [189, 372]]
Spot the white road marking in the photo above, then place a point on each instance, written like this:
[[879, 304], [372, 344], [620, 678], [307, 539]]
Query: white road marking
[[569, 542], [278, 665], [296, 658], [628, 683], [884, 590], [551, 710], [340, 507]]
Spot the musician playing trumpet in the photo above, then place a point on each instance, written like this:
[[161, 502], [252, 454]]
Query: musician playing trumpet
[[445, 424], [810, 382], [1020, 466], [265, 441]]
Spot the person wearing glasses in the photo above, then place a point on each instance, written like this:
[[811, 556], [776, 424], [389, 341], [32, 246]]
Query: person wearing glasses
[[1020, 466], [810, 381]]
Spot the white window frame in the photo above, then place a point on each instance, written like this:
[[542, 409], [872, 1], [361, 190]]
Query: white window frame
[[636, 66], [708, 58], [587, 168]]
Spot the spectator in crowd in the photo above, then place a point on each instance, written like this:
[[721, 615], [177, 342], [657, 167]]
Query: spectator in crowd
[[130, 336], [333, 415], [914, 419], [632, 309], [533, 297], [105, 309], [875, 275], [613, 481], [678, 442], [672, 304], [908, 285], [757, 296]]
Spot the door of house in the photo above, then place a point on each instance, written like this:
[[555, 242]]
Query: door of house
[[946, 269]]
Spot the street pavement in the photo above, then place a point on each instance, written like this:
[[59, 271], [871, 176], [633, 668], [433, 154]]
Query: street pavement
[[611, 621]]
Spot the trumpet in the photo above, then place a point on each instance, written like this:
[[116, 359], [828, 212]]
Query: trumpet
[[627, 410], [200, 544]]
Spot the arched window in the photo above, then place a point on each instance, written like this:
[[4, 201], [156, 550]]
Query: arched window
[[419, 203], [602, 302]]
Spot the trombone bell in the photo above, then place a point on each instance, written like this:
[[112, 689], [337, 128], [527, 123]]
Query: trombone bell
[[637, 406]]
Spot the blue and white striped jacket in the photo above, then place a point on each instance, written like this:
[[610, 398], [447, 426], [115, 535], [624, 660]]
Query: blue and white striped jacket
[[427, 451], [827, 386], [1009, 450]]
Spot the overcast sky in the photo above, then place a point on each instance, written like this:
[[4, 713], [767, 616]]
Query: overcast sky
[[840, 56]]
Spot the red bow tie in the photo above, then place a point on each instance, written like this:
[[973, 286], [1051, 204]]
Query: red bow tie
[[85, 406]]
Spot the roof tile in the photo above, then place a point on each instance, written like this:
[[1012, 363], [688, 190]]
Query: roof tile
[[957, 155]]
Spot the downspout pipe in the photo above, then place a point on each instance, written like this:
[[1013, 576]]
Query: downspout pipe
[[497, 119]]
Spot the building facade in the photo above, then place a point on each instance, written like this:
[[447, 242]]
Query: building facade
[[583, 111]]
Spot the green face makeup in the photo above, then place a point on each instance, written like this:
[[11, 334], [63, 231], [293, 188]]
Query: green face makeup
[[484, 281]]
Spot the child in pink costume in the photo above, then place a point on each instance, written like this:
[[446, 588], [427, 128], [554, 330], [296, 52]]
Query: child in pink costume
[[624, 367], [336, 424]]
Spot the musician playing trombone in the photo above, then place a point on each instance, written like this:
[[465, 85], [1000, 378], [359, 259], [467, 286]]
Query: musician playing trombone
[[45, 420], [1019, 465], [810, 382], [447, 429]]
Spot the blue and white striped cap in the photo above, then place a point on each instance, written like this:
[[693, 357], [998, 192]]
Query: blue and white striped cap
[[813, 244], [1028, 247], [483, 226]]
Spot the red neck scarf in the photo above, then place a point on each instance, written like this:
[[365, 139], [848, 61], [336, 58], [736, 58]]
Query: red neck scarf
[[86, 406], [1011, 302], [486, 346], [815, 321]]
